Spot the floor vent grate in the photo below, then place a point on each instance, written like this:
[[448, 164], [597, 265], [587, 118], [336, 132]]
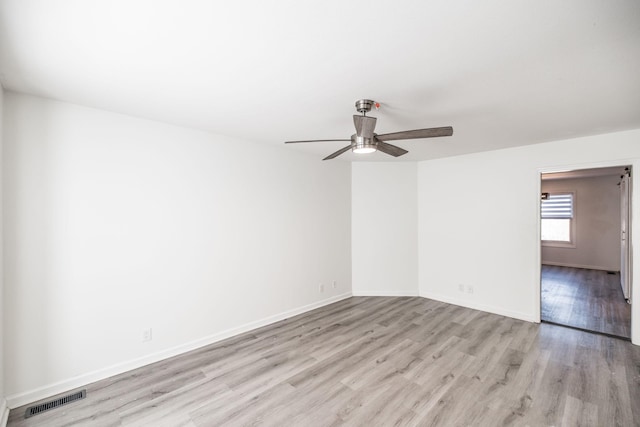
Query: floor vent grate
[[52, 404]]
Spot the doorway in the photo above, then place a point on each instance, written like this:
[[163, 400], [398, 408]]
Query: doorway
[[585, 255]]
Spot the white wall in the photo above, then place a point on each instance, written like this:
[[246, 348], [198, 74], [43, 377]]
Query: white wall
[[464, 239], [4, 412], [384, 229], [115, 224], [597, 223]]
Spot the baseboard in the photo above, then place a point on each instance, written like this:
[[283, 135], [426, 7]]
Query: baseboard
[[385, 294], [478, 306], [4, 412], [588, 267], [17, 400]]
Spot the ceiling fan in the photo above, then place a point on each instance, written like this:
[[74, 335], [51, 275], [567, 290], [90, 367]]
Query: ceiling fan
[[366, 141]]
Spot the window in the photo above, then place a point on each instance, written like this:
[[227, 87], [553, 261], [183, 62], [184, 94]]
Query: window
[[557, 219]]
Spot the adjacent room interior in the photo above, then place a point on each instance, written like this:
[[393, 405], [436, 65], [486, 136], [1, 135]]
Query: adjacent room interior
[[167, 259], [585, 259]]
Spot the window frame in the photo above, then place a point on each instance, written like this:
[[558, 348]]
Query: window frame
[[572, 223]]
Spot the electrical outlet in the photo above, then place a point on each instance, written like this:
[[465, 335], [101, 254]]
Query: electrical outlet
[[469, 289], [460, 287], [321, 287], [334, 284], [146, 335]]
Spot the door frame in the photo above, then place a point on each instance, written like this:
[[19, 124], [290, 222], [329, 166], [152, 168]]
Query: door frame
[[625, 225], [633, 237]]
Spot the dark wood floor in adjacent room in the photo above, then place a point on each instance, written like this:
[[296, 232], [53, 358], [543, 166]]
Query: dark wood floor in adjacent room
[[383, 361], [587, 299]]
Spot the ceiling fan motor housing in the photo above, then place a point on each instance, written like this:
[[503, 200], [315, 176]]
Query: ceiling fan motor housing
[[363, 141]]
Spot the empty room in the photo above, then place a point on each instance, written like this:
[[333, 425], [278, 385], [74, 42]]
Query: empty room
[[294, 214]]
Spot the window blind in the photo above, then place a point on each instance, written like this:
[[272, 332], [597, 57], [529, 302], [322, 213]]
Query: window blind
[[557, 206]]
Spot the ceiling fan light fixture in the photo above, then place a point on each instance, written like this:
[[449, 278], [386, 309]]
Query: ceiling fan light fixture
[[367, 149], [363, 145]]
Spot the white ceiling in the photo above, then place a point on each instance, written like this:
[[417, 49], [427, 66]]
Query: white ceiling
[[502, 73]]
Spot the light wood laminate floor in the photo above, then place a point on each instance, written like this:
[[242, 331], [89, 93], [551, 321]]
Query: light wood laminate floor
[[377, 361], [587, 299]]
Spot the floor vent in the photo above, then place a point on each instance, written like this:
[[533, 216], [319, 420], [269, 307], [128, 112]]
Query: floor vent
[[52, 404]]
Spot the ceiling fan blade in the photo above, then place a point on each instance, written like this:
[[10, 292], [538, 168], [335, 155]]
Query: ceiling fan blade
[[390, 149], [417, 134], [337, 153], [364, 125], [318, 140]]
